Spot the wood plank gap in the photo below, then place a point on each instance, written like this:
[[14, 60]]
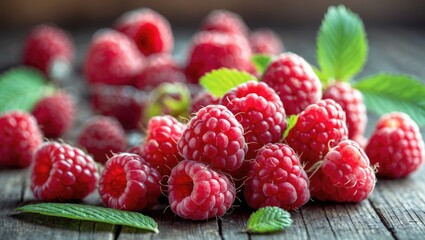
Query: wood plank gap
[[220, 228], [330, 224], [383, 219], [305, 226], [117, 231], [24, 186]]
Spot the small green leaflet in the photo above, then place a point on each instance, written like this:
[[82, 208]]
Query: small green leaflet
[[93, 213], [292, 120], [21, 88], [385, 92], [261, 62], [220, 81], [341, 44], [268, 220]]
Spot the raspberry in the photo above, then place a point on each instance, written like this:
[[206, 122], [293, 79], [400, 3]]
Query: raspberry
[[258, 108], [221, 20], [214, 136], [344, 176], [55, 114], [197, 192], [125, 103], [19, 139], [159, 68], [212, 50], [351, 101], [150, 30], [294, 81], [396, 145], [319, 127], [112, 58], [276, 179], [265, 41], [203, 99], [46, 46], [102, 137], [136, 150], [129, 183], [62, 173]]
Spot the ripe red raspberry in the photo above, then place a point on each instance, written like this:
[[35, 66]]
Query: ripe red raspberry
[[160, 146], [150, 30], [55, 114], [197, 192], [319, 127], [46, 46], [276, 178], [102, 137], [214, 136], [159, 68], [112, 58], [258, 108], [62, 173], [294, 81], [344, 176], [125, 103], [203, 99], [129, 183], [221, 20], [19, 139], [351, 101], [265, 41], [396, 145], [213, 50]]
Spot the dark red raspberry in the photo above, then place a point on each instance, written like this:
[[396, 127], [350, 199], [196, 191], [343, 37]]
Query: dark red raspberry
[[319, 127], [221, 20], [351, 101], [345, 175], [203, 99], [129, 183], [265, 41], [46, 46], [258, 108], [396, 146], [55, 114], [125, 103], [214, 136], [150, 30], [294, 81], [102, 137], [136, 150], [112, 58], [276, 178], [197, 192], [19, 139], [62, 173]]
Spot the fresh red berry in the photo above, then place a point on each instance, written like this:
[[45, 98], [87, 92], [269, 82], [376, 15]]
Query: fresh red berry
[[129, 183], [112, 58], [214, 136], [203, 99], [197, 192], [345, 175], [258, 108], [319, 127], [62, 173], [225, 21], [294, 81], [351, 101], [55, 114], [265, 41], [276, 178], [19, 139], [136, 150], [150, 30], [102, 137], [46, 46], [396, 146]]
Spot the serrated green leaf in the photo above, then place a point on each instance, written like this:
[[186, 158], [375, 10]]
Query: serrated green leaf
[[21, 88], [261, 62], [385, 92], [93, 213], [341, 44], [268, 220], [221, 80], [292, 120]]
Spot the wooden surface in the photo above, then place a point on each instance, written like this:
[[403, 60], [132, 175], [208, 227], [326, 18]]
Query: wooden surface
[[395, 210]]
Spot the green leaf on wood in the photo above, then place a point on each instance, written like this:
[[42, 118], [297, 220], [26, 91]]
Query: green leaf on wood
[[261, 62], [268, 220], [93, 213]]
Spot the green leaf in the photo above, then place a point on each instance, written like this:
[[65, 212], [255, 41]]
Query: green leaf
[[21, 88], [268, 220], [324, 79], [386, 92], [341, 44], [292, 120], [93, 213], [261, 62], [220, 81]]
